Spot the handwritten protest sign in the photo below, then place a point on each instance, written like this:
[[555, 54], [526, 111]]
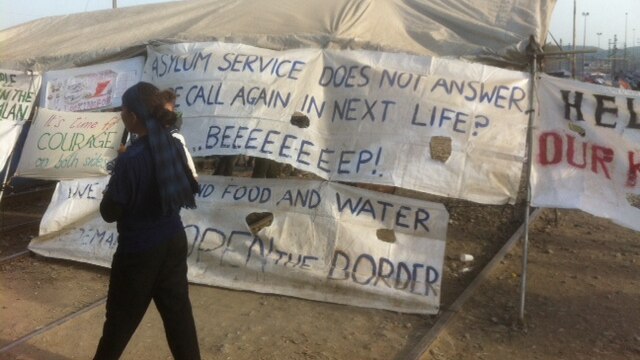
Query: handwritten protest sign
[[586, 150], [17, 95], [18, 92], [64, 145], [373, 117], [327, 241], [90, 87]]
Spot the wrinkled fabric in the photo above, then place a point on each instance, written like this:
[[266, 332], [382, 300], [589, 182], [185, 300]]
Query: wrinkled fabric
[[492, 32]]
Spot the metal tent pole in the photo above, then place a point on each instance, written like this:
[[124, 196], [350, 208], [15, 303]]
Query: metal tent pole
[[573, 57], [532, 51]]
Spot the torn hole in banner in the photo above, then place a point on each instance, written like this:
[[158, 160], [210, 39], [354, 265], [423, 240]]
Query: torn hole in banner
[[300, 120], [258, 221], [440, 147], [633, 200], [386, 235]]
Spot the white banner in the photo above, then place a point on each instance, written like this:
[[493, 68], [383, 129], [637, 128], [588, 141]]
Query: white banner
[[327, 241], [440, 126], [9, 133], [90, 87], [586, 150], [18, 92], [65, 145]]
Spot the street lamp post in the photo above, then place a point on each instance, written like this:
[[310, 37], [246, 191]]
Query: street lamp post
[[634, 53], [624, 65], [614, 56], [599, 61], [573, 56], [584, 41]]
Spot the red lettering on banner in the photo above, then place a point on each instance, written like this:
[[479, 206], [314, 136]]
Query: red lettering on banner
[[544, 149], [553, 151], [602, 155], [571, 153], [634, 169]]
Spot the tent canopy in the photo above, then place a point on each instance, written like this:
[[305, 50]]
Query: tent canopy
[[488, 31]]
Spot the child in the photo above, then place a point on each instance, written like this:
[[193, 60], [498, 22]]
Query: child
[[169, 99]]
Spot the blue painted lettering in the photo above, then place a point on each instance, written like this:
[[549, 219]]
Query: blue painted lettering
[[80, 192], [500, 96], [301, 152], [360, 109], [457, 119], [205, 191], [242, 193], [284, 146], [310, 198], [343, 76], [287, 147], [198, 95], [322, 161], [164, 64], [265, 65], [261, 96], [400, 79], [312, 106], [415, 278], [277, 256], [268, 142], [378, 211]]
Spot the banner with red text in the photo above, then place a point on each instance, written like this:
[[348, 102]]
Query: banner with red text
[[440, 126], [325, 241], [90, 87], [586, 150], [70, 145]]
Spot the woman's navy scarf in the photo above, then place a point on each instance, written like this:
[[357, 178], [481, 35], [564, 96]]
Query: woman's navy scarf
[[175, 188]]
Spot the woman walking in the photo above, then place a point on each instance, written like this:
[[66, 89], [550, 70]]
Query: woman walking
[[149, 184]]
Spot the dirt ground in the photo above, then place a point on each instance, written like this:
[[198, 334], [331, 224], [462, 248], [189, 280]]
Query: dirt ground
[[583, 297], [583, 302]]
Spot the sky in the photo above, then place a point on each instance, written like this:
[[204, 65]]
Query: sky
[[605, 16]]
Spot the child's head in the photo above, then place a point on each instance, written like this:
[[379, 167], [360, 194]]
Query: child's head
[[168, 98]]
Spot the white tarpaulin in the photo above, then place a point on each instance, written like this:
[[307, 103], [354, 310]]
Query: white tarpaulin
[[327, 242], [70, 145], [586, 150], [18, 91], [90, 87], [373, 117], [488, 31], [9, 132]]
